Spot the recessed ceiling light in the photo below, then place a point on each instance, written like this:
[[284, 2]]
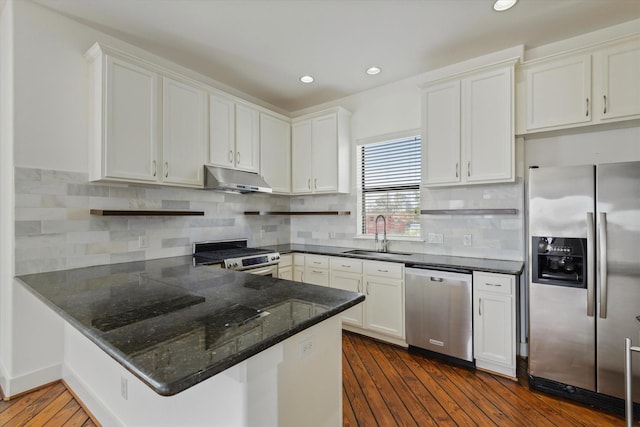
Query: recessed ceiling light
[[372, 71], [306, 79], [502, 5]]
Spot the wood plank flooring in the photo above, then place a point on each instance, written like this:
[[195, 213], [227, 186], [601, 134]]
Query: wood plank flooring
[[383, 385], [50, 406]]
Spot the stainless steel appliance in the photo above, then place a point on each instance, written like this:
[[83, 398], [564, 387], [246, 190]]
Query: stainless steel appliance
[[584, 279], [235, 255], [234, 180], [439, 312]]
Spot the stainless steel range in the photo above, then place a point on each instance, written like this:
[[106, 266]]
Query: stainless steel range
[[235, 255]]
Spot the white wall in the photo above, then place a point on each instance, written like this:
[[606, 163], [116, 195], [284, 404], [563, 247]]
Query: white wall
[[6, 187]]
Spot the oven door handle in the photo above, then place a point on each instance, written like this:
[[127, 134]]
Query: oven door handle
[[271, 269]]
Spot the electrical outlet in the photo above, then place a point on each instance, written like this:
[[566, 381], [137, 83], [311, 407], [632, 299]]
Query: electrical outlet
[[124, 388], [143, 242], [437, 238], [306, 347], [332, 234], [467, 240]]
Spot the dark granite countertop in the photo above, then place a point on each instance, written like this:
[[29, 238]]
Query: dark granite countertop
[[442, 262], [174, 325]]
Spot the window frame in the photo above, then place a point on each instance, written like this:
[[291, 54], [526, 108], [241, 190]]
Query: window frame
[[413, 133]]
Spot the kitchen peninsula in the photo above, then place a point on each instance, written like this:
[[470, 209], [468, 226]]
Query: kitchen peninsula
[[161, 342]]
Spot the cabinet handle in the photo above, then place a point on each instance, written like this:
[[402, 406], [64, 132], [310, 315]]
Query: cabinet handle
[[154, 168], [317, 272], [469, 168], [367, 288], [166, 169], [315, 184], [494, 284], [230, 157], [480, 306], [238, 158], [345, 266], [587, 107], [383, 271], [317, 262], [457, 170], [605, 105], [359, 282], [309, 183]]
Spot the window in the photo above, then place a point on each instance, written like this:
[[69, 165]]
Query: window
[[390, 174]]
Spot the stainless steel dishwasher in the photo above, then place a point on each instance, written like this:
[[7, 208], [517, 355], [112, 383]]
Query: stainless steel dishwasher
[[439, 312]]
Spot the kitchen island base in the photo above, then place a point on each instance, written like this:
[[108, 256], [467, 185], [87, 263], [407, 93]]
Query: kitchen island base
[[295, 382]]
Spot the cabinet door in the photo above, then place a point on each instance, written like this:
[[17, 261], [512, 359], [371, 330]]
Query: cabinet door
[[247, 138], [559, 92], [275, 153], [221, 131], [324, 155], [441, 133], [285, 273], [183, 133], [619, 83], [487, 123], [493, 324], [384, 304], [298, 274], [301, 157], [131, 128], [349, 282], [316, 276]]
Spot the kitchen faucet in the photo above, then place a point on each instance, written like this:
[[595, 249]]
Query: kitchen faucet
[[381, 246]]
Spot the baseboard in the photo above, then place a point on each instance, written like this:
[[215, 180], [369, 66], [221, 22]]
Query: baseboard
[[30, 381], [90, 402], [381, 337]]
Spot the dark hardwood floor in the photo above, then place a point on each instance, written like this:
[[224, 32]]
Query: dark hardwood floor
[[383, 385], [50, 406]]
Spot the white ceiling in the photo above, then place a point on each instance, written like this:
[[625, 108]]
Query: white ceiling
[[262, 47]]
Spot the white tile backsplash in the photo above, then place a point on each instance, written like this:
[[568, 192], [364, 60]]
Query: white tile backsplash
[[54, 230]]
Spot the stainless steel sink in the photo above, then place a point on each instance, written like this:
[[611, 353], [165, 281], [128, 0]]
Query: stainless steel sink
[[376, 254]]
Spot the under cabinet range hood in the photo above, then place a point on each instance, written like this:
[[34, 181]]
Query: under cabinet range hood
[[234, 181]]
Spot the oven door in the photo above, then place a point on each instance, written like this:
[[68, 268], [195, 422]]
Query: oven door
[[269, 270]]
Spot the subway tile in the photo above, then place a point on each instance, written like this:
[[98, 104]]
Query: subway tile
[[27, 228]]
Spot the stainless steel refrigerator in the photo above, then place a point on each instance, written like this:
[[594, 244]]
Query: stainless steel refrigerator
[[584, 279]]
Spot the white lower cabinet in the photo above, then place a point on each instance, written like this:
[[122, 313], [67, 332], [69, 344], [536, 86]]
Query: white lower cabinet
[[316, 270], [298, 267], [346, 274], [384, 305], [285, 267], [494, 319]]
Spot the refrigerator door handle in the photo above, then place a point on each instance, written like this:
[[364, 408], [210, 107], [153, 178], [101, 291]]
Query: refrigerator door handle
[[590, 266], [602, 262]]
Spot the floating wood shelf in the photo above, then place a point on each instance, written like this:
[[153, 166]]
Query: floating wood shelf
[[469, 212], [135, 212], [297, 213]]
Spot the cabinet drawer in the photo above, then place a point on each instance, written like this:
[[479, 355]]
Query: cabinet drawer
[[317, 261], [298, 259], [286, 260], [384, 269], [346, 264], [491, 282]]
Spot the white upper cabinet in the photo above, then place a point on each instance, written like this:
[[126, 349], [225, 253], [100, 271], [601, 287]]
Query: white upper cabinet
[[559, 92], [617, 82], [488, 140], [275, 153], [320, 152], [222, 132], [587, 87], [441, 133], [130, 140], [184, 128], [467, 129], [234, 139], [247, 138]]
